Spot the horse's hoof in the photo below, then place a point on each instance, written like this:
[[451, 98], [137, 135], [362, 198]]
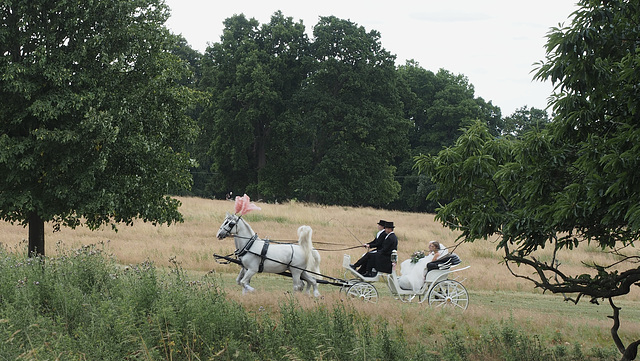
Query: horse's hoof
[[247, 289]]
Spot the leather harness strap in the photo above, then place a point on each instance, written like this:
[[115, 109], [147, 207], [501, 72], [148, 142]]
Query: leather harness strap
[[247, 246], [263, 255]]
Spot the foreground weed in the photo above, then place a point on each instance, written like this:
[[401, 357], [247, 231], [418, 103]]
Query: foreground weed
[[505, 341], [83, 305]]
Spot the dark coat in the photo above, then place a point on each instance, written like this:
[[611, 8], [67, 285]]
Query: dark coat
[[382, 258], [377, 242]]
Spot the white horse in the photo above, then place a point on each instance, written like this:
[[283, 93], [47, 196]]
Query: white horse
[[273, 258]]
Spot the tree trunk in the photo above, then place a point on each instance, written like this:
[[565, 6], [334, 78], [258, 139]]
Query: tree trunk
[[261, 150], [36, 235], [631, 352]]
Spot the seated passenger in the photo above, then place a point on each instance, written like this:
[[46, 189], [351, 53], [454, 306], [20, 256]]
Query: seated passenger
[[413, 270]]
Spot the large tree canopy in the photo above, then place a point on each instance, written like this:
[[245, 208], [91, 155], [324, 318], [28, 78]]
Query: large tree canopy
[[329, 119], [290, 118], [92, 119], [574, 182], [351, 106], [252, 74], [438, 105]]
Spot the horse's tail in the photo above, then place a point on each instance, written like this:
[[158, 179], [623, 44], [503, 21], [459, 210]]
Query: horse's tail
[[312, 256], [315, 267]]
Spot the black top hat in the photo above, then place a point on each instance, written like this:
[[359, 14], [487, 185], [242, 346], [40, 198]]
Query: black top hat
[[389, 225], [382, 222]]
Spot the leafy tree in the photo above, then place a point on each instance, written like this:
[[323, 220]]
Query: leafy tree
[[252, 74], [290, 64], [226, 121], [438, 105], [91, 117], [351, 107], [489, 114], [523, 120], [192, 59], [570, 184], [199, 149]]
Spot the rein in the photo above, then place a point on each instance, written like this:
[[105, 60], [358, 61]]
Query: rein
[[336, 281], [339, 249], [287, 241], [289, 264]]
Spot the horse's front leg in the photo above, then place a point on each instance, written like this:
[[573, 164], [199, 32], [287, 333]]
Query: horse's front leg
[[240, 275], [244, 282]]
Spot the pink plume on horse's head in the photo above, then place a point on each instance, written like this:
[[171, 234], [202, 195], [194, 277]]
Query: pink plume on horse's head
[[243, 205], [238, 205]]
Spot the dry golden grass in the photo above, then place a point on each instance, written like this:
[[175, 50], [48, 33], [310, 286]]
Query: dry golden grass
[[495, 293], [194, 242]]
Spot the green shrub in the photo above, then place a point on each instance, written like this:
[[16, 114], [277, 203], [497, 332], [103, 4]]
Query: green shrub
[[82, 305], [505, 341]]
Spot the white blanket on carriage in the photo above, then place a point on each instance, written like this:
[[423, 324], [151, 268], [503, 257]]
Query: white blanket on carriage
[[412, 274]]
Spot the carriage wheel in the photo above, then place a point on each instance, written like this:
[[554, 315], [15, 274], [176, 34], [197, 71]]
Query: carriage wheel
[[449, 294], [364, 291], [345, 287]]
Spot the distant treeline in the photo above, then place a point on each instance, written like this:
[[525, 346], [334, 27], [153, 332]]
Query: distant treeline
[[330, 120]]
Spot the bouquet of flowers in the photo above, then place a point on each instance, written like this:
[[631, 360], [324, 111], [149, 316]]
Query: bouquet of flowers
[[415, 257]]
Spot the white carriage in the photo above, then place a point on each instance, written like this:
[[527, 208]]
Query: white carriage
[[439, 288], [301, 262]]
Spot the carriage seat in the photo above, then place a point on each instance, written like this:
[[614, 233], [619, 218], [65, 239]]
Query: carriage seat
[[444, 263], [346, 263], [452, 259]]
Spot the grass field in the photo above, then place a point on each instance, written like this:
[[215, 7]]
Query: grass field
[[495, 295]]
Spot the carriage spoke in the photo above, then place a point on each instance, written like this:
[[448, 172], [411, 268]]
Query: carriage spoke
[[449, 294], [363, 291]]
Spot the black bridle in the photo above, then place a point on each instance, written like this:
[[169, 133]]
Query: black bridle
[[229, 226]]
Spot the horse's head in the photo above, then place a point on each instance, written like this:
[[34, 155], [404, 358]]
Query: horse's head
[[230, 222]]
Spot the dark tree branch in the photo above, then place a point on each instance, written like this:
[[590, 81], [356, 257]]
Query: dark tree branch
[[616, 326], [631, 352], [628, 353], [603, 285], [625, 259]]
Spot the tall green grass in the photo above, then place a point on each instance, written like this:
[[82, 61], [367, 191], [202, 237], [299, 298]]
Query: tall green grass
[[82, 305]]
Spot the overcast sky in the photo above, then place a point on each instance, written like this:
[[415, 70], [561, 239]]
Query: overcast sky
[[493, 42]]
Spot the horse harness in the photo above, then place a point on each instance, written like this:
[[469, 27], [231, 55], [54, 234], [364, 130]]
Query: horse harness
[[263, 254], [241, 252]]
